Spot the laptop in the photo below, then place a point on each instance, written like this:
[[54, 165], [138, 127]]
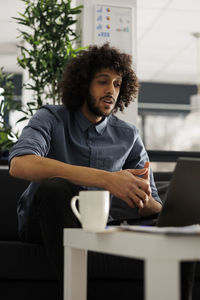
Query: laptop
[[181, 205]]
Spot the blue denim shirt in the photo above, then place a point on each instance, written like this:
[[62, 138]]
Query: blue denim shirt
[[69, 137]]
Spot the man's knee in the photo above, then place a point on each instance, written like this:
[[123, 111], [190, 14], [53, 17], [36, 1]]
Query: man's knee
[[53, 184], [53, 199], [56, 187], [54, 191]]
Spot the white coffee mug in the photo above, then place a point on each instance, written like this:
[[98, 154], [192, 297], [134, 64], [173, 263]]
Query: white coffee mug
[[93, 208]]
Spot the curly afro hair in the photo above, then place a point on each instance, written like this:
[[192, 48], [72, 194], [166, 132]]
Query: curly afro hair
[[81, 70]]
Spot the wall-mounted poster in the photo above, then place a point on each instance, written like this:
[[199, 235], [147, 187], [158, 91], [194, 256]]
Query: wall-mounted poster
[[113, 24]]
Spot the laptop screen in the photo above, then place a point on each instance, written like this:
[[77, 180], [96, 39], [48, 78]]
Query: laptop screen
[[182, 202]]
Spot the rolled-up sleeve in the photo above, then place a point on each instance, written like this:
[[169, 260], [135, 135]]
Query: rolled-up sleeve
[[36, 136]]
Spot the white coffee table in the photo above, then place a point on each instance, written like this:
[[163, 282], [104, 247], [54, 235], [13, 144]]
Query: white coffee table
[[162, 255]]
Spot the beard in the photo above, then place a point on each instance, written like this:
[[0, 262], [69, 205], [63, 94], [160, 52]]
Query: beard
[[94, 109]]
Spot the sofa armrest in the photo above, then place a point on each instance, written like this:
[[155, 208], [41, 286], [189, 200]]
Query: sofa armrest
[[11, 189]]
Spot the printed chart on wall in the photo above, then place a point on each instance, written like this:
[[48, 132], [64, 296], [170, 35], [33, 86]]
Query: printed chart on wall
[[113, 24]]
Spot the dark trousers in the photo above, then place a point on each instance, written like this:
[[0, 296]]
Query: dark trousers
[[51, 212]]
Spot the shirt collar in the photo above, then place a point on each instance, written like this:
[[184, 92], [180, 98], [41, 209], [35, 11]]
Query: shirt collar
[[101, 126], [84, 123]]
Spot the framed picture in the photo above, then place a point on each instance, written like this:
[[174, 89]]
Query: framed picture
[[114, 24]]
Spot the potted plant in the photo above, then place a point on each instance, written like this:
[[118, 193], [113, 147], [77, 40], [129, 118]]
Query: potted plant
[[49, 37]]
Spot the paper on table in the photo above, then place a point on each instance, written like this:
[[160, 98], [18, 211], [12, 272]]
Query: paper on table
[[184, 230], [192, 229]]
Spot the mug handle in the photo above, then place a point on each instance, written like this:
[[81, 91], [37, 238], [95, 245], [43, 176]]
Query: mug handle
[[73, 207]]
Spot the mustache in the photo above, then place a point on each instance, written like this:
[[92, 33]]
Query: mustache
[[108, 96]]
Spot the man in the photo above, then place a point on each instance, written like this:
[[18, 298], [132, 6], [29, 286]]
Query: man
[[82, 145]]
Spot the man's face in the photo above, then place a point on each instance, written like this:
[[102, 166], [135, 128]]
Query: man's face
[[103, 93]]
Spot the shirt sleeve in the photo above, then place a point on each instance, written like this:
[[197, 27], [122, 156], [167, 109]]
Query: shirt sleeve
[[136, 160], [36, 136]]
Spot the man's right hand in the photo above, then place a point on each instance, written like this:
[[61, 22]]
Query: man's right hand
[[127, 186]]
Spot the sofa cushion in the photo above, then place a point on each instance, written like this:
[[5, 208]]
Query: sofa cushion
[[28, 289], [28, 261], [24, 261], [11, 189]]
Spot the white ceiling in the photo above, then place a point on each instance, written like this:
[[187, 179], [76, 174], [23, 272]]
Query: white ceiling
[[166, 48]]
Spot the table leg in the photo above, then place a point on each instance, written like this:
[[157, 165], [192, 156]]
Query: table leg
[[75, 274], [162, 280]]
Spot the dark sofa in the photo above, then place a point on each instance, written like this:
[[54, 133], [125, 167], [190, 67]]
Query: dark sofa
[[25, 272]]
